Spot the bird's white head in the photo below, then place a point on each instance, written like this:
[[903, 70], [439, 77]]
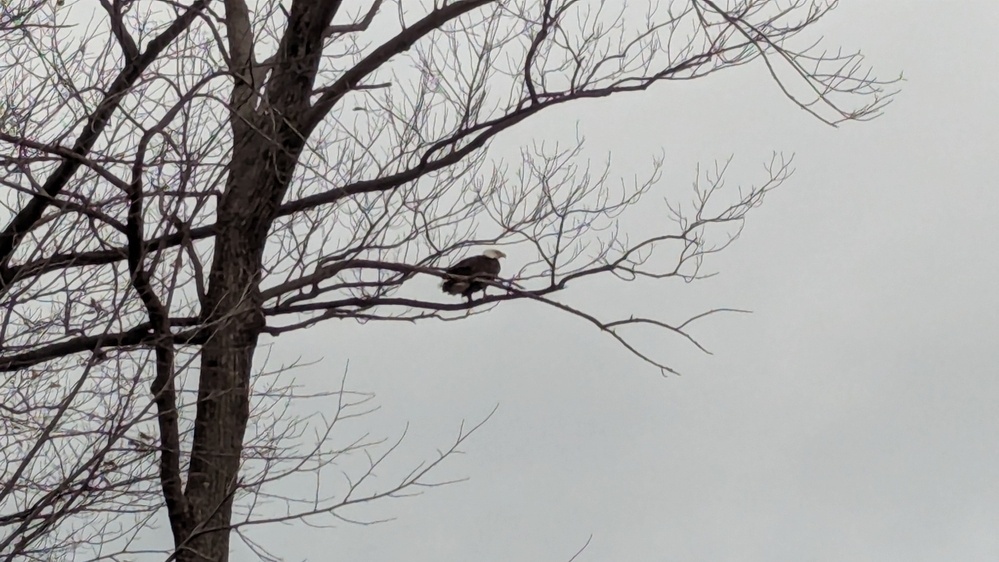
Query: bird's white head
[[494, 254]]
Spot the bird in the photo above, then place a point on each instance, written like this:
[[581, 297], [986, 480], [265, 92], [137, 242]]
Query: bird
[[465, 277]]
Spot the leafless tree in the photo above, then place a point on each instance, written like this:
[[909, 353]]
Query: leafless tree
[[182, 180]]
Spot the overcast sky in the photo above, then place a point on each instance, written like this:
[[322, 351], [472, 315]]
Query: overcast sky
[[853, 416]]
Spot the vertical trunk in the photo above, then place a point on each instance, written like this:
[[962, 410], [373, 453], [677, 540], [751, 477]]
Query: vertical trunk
[[223, 410], [267, 142], [233, 313]]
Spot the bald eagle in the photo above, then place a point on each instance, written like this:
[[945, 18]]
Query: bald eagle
[[463, 277]]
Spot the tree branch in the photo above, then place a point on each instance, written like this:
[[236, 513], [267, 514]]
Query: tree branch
[[96, 122]]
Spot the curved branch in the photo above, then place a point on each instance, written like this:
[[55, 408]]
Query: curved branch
[[26, 218]]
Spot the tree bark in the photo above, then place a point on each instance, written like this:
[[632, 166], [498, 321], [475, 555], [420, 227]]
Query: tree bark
[[233, 311], [267, 143]]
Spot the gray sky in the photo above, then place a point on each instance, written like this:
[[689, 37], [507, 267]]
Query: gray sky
[[851, 417]]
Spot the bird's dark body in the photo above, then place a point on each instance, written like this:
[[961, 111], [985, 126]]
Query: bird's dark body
[[465, 277]]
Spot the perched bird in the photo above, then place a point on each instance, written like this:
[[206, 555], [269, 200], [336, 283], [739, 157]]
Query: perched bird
[[465, 277]]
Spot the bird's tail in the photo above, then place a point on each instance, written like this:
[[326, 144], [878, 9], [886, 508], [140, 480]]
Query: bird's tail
[[453, 286]]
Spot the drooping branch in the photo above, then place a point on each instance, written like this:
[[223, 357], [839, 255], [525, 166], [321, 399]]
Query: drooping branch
[[821, 85]]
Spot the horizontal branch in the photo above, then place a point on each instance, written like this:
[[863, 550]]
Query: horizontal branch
[[143, 334], [351, 306]]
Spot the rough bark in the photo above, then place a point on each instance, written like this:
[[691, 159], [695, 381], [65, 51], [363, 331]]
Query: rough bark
[[264, 159]]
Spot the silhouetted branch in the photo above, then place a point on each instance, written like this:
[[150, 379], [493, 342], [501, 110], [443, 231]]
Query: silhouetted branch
[[182, 181]]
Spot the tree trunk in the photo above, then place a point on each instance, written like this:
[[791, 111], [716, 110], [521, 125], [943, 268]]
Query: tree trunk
[[233, 313], [223, 410], [267, 142]]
